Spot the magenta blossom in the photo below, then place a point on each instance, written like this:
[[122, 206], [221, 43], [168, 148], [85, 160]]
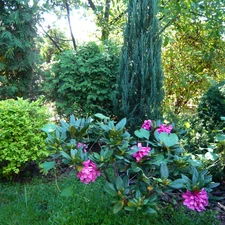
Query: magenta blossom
[[164, 128], [82, 145], [141, 153], [196, 200], [147, 125], [89, 172]]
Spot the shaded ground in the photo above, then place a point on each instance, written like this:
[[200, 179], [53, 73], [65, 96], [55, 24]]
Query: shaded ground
[[219, 206]]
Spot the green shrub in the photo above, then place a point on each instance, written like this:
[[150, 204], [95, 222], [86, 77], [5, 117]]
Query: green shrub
[[21, 140], [212, 106], [83, 82]]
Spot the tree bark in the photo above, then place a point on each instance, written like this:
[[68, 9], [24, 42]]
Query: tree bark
[[69, 22]]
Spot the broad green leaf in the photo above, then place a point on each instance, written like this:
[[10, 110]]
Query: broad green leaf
[[125, 181], [67, 192], [110, 189], [164, 171], [129, 208], [138, 194], [136, 169], [117, 207], [65, 155], [72, 120], [119, 183], [142, 133], [101, 116], [149, 210], [195, 176], [213, 185], [48, 128], [48, 165], [168, 139], [121, 124], [152, 198], [177, 184]]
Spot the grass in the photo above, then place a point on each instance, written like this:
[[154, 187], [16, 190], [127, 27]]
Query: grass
[[40, 203]]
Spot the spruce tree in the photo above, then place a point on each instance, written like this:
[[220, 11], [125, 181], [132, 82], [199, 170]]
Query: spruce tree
[[140, 78], [18, 53]]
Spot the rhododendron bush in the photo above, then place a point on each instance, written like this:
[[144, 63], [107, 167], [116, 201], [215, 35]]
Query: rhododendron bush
[[138, 170]]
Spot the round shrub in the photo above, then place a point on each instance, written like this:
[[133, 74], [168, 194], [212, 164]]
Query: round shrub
[[83, 82], [212, 106], [21, 139]]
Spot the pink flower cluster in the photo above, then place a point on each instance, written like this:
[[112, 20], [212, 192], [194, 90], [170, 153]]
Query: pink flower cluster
[[196, 200], [147, 125], [89, 172], [82, 145], [164, 128], [141, 153]]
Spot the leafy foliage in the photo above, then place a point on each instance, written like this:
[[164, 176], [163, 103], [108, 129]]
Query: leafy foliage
[[20, 138], [83, 82], [193, 54], [134, 180], [212, 106], [17, 48]]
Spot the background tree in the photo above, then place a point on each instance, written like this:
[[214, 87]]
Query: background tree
[[17, 48], [53, 42], [110, 16], [140, 78], [62, 9], [193, 54]]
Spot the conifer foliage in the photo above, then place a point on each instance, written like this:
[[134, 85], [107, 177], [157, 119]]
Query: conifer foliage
[[140, 77], [17, 47]]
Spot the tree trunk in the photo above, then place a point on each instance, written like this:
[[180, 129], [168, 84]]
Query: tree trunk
[[71, 31]]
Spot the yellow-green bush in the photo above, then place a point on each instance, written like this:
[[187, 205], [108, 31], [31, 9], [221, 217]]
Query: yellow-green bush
[[21, 139]]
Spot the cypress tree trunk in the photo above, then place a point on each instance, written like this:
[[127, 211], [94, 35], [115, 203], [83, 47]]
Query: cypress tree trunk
[[140, 78]]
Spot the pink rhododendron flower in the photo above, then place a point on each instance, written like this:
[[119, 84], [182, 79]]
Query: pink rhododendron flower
[[147, 125], [164, 128], [196, 200], [141, 153], [89, 172], [83, 145]]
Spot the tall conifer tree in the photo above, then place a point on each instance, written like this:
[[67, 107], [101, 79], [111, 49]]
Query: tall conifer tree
[[140, 78]]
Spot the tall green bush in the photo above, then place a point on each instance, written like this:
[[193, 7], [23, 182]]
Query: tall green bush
[[18, 53], [140, 78], [83, 82], [21, 139]]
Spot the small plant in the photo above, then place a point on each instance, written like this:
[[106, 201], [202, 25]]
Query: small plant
[[21, 139], [138, 170]]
